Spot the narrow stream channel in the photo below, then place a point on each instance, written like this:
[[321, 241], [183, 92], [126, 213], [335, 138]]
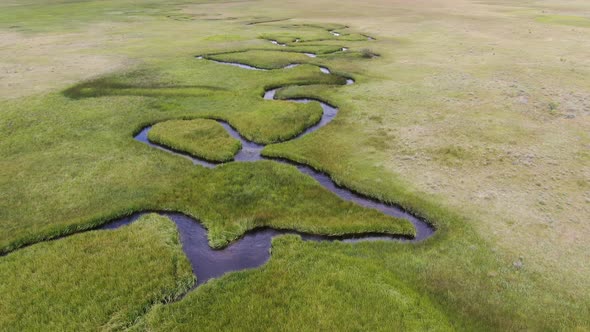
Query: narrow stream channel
[[253, 249]]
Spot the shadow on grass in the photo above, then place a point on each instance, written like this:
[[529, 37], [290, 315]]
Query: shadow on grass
[[108, 86]]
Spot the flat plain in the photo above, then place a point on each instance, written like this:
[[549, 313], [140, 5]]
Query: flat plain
[[473, 115]]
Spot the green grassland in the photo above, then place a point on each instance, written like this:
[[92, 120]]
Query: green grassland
[[262, 59], [96, 280], [201, 138], [309, 34], [117, 174], [355, 295], [576, 21], [475, 117]]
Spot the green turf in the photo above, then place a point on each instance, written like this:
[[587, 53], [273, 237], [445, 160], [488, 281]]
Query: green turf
[[147, 178], [63, 15], [576, 21], [304, 282], [313, 48], [308, 34], [456, 123], [201, 138], [312, 34], [237, 197], [100, 280], [281, 120], [262, 59], [102, 155]]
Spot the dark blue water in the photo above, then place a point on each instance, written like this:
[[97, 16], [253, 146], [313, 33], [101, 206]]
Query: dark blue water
[[250, 251]]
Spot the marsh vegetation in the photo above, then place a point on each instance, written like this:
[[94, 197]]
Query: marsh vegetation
[[201, 138], [467, 119]]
